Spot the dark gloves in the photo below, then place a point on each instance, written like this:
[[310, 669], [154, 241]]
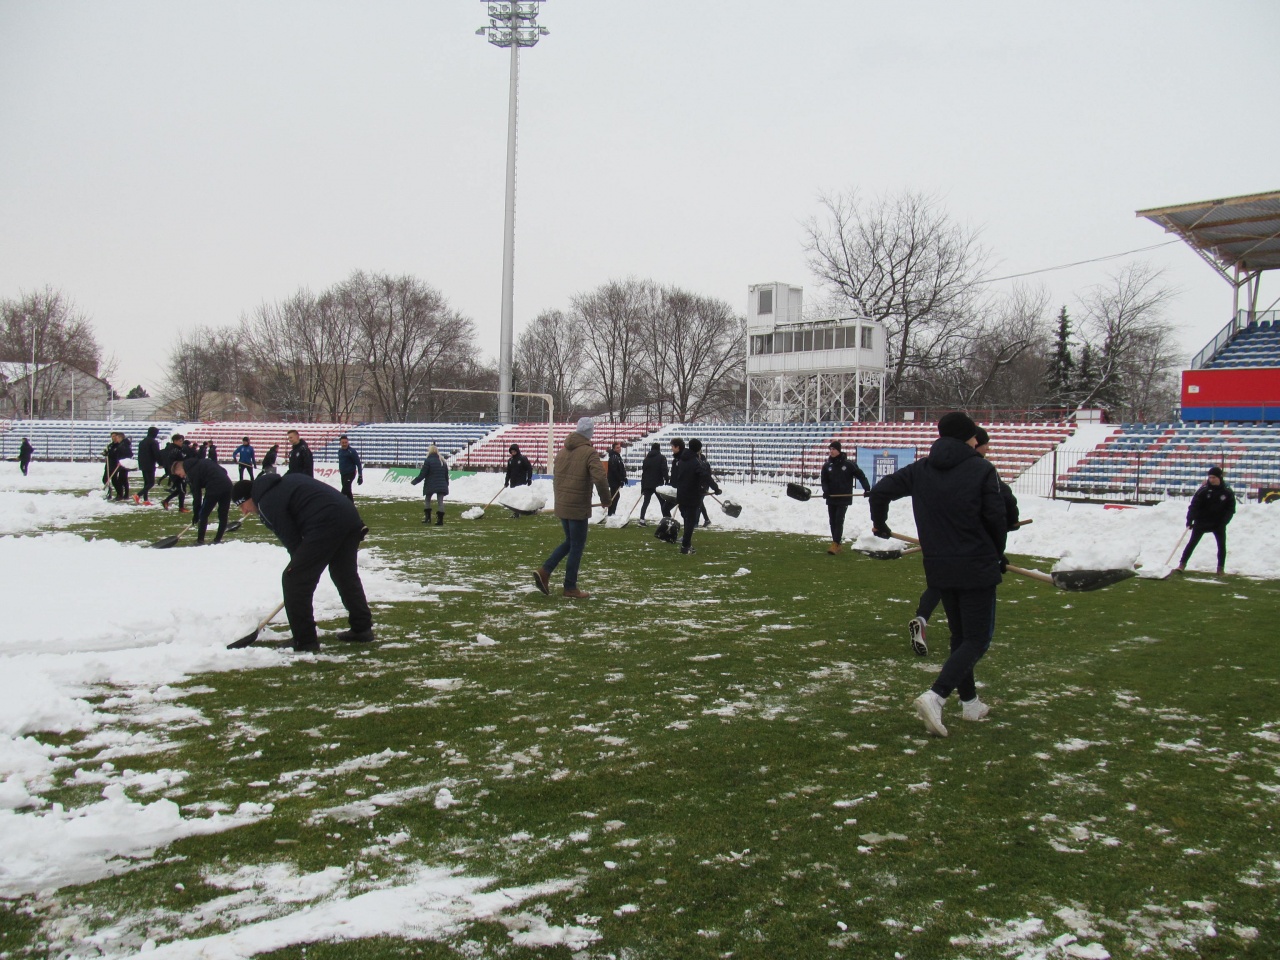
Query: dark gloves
[[881, 530], [1004, 563], [360, 480], [866, 493]]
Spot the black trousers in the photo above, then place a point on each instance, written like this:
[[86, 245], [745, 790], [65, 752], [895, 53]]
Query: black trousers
[[120, 483], [689, 513], [177, 488], [836, 509], [148, 481], [346, 486], [644, 505], [203, 511], [613, 499], [1219, 534], [971, 615], [24, 462], [243, 467], [300, 577]]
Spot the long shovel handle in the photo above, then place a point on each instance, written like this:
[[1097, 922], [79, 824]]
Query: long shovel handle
[[1176, 547], [250, 638], [1021, 571], [1031, 574], [495, 497]]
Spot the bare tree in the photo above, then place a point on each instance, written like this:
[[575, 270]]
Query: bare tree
[[201, 361], [1134, 355], [45, 327], [279, 340], [610, 321], [1003, 363], [694, 355], [411, 340], [549, 359], [901, 260]]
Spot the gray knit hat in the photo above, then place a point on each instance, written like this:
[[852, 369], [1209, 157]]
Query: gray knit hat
[[586, 426]]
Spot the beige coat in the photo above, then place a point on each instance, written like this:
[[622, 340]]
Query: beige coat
[[578, 467]]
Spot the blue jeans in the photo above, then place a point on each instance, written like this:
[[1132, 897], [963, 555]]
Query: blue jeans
[[575, 541]]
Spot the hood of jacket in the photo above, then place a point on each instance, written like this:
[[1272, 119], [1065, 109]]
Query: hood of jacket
[[948, 453], [575, 440], [263, 484]]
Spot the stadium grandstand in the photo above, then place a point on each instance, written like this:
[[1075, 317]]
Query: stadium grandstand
[[1230, 402]]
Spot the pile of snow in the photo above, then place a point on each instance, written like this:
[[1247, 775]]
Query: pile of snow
[[474, 513], [97, 615], [1096, 557], [526, 499]]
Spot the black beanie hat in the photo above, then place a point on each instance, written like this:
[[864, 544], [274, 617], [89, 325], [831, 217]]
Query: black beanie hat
[[982, 435], [241, 491], [1215, 472], [957, 425], [514, 448]]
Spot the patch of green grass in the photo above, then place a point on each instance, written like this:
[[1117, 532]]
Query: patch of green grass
[[728, 765]]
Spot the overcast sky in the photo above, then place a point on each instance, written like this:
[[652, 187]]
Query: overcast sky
[[169, 165]]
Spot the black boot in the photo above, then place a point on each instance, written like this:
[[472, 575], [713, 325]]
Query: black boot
[[440, 518], [426, 515]]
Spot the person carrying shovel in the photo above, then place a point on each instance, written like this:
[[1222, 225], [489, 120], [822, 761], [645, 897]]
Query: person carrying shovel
[[838, 474], [962, 525], [1210, 510]]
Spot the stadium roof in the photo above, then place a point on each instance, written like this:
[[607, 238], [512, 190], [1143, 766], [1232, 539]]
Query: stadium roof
[[1236, 235]]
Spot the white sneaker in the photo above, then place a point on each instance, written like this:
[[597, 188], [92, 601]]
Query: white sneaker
[[917, 627], [973, 709], [929, 709], [643, 522]]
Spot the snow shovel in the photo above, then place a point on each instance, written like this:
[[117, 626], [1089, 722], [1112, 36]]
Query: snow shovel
[[612, 501], [799, 492], [489, 504], [627, 522], [728, 506], [106, 487], [1177, 546], [1073, 581], [172, 541], [252, 638]]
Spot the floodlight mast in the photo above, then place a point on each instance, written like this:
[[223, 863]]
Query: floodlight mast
[[513, 25]]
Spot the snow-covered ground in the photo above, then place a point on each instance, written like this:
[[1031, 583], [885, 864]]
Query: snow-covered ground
[[91, 616]]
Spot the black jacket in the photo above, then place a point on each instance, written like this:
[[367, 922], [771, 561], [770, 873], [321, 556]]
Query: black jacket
[[207, 479], [25, 450], [653, 472], [960, 514], [117, 451], [1211, 508], [519, 471], [838, 474], [300, 460], [616, 473], [691, 476], [269, 461], [435, 474], [149, 451], [296, 507]]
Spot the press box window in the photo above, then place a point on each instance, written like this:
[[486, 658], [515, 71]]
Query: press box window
[[868, 338], [765, 303]]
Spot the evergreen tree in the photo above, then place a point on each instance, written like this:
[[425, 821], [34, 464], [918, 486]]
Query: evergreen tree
[[1061, 371], [137, 393]]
